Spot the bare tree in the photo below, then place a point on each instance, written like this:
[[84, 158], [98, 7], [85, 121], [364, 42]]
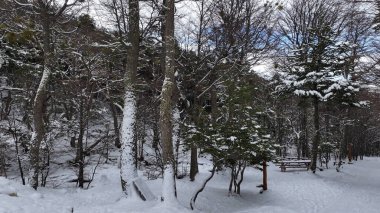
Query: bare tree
[[49, 13]]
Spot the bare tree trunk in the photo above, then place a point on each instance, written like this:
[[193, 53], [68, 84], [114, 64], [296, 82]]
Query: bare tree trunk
[[166, 106], [163, 35], [232, 179], [244, 165], [80, 157], [317, 135], [304, 132], [3, 169], [265, 176], [128, 171], [48, 15], [193, 162], [13, 129], [193, 148], [38, 106], [115, 124], [176, 138], [349, 150]]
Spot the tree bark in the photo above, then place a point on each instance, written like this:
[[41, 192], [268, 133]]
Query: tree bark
[[304, 132], [48, 14], [38, 105], [193, 148], [128, 171], [115, 124], [166, 106], [193, 162], [265, 176], [79, 147], [317, 135]]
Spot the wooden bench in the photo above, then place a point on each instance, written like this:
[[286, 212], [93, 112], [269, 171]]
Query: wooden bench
[[295, 158], [294, 164]]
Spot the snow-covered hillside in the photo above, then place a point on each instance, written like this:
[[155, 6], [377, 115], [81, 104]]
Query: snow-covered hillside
[[355, 189]]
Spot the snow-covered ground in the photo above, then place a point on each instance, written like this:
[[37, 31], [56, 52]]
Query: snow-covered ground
[[355, 189]]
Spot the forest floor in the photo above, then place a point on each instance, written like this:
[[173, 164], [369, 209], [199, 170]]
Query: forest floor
[[355, 189]]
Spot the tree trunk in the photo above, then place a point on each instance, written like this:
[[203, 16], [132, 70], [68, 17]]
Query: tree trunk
[[317, 135], [265, 176], [38, 106], [163, 12], [345, 142], [193, 148], [349, 150], [176, 137], [80, 157], [281, 151], [115, 124], [304, 133], [166, 105], [128, 171], [3, 170], [193, 162]]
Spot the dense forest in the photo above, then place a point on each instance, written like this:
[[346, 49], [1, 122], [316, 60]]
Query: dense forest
[[153, 86]]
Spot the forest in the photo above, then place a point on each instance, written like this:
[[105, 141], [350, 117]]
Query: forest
[[181, 94]]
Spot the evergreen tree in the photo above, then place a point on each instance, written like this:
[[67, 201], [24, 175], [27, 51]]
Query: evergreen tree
[[320, 70]]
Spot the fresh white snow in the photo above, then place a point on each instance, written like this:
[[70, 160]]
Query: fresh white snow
[[355, 189], [128, 170]]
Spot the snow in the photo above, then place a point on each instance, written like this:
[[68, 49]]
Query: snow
[[264, 70], [43, 81], [354, 189], [128, 171], [176, 127], [2, 61], [168, 186]]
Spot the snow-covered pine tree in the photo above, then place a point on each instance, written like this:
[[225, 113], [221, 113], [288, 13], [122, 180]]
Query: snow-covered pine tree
[[239, 138], [320, 70]]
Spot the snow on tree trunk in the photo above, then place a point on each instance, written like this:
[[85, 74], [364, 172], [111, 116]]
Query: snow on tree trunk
[[166, 106], [176, 137], [48, 13], [38, 105], [39, 128], [168, 185], [2, 58], [128, 170], [166, 130]]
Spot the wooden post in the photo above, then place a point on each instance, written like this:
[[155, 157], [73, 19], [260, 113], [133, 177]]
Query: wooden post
[[265, 183]]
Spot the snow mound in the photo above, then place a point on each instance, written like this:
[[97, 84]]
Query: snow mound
[[6, 187]]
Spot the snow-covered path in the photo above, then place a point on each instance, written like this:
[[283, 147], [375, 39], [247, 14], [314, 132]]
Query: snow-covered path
[[355, 189]]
